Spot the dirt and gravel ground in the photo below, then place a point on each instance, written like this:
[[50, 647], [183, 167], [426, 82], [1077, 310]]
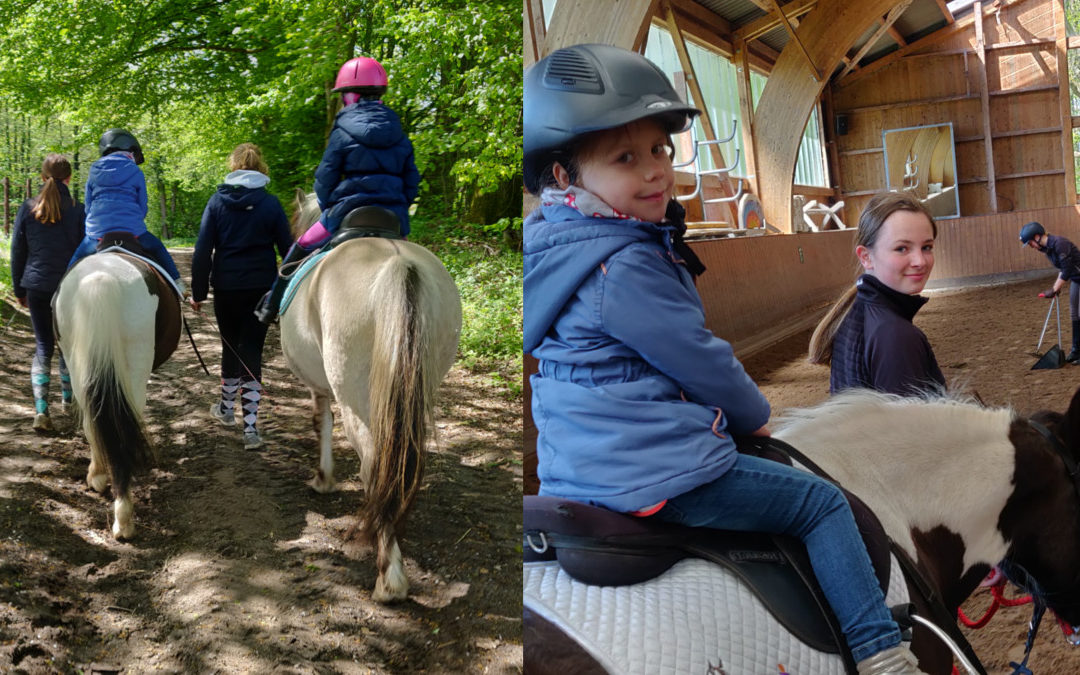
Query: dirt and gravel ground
[[984, 340], [237, 565]]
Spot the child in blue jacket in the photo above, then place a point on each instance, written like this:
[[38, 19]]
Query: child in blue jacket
[[368, 161], [635, 400], [116, 200]]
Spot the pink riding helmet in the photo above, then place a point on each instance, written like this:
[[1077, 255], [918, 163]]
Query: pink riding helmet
[[360, 73]]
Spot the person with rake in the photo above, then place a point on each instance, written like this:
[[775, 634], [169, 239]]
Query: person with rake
[[1063, 255]]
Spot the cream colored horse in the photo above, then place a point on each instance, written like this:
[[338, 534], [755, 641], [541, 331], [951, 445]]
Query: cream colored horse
[[375, 326]]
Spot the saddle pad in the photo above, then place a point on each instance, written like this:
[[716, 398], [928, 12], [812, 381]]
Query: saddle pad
[[695, 615], [296, 277]]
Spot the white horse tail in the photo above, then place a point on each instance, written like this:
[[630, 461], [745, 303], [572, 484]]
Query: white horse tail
[[404, 380], [111, 420]]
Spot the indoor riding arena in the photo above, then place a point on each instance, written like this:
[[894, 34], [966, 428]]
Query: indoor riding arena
[[815, 106]]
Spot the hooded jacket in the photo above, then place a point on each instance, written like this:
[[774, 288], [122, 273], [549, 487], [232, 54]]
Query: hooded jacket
[[878, 347], [40, 252], [368, 162], [1063, 255], [241, 226], [115, 196], [635, 399]]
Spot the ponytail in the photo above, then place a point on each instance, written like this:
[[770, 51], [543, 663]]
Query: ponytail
[[48, 206], [821, 341]]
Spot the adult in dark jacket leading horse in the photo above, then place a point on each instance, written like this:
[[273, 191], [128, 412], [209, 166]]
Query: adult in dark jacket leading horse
[[241, 226]]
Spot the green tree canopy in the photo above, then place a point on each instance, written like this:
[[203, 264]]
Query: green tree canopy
[[193, 78]]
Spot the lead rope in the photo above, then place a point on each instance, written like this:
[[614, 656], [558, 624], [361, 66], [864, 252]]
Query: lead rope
[[1019, 576]]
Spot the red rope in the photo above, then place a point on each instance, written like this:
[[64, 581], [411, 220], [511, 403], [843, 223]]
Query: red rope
[[999, 601]]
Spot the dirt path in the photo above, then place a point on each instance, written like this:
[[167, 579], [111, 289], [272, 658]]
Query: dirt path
[[238, 566], [983, 339]]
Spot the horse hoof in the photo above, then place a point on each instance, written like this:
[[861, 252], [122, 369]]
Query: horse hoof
[[322, 485], [123, 533], [387, 595], [97, 483]]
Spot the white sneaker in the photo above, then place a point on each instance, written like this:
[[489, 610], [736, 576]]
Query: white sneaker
[[42, 422], [252, 440], [226, 420]]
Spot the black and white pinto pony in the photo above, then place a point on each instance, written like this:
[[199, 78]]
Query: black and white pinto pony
[[116, 319], [957, 486], [375, 327]]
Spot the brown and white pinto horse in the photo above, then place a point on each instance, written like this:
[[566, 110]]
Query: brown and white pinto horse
[[957, 486], [117, 319]]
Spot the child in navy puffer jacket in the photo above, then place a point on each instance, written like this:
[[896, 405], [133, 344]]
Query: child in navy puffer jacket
[[368, 161]]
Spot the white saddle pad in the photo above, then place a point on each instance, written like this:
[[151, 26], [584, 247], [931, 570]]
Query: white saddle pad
[[694, 617]]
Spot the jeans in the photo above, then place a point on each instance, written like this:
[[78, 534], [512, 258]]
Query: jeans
[[765, 496], [147, 240]]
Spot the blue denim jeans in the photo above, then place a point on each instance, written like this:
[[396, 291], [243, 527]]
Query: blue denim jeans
[[147, 240], [765, 496]]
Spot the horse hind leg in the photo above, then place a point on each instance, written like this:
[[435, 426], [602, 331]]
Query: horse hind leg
[[123, 517], [323, 421], [96, 476], [391, 585]]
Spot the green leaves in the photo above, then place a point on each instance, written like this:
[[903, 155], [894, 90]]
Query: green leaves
[[192, 78]]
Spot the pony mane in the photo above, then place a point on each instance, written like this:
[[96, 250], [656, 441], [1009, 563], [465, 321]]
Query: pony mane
[[856, 402], [305, 212]]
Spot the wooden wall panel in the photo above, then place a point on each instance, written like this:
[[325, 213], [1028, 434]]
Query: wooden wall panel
[[943, 84]]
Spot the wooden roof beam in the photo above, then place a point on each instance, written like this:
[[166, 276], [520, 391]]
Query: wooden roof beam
[[759, 27], [944, 7], [814, 70], [933, 38], [886, 24]]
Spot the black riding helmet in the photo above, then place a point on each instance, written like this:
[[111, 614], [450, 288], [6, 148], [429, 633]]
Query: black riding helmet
[[119, 140], [584, 88], [1029, 231]]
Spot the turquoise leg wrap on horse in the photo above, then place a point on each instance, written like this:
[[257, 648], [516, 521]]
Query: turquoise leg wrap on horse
[[65, 381], [39, 379], [250, 401]]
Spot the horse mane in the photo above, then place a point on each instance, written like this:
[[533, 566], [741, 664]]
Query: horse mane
[[305, 212], [858, 401]]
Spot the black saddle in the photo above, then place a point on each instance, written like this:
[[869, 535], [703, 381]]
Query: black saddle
[[367, 221], [124, 240], [601, 547]]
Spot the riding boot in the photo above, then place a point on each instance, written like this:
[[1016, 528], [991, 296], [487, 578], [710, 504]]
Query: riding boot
[[1074, 355], [896, 660], [267, 310]]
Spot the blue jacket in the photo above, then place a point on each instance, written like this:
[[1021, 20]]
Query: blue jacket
[[368, 161], [241, 225], [878, 347], [40, 252], [635, 400], [1063, 255], [115, 196]]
